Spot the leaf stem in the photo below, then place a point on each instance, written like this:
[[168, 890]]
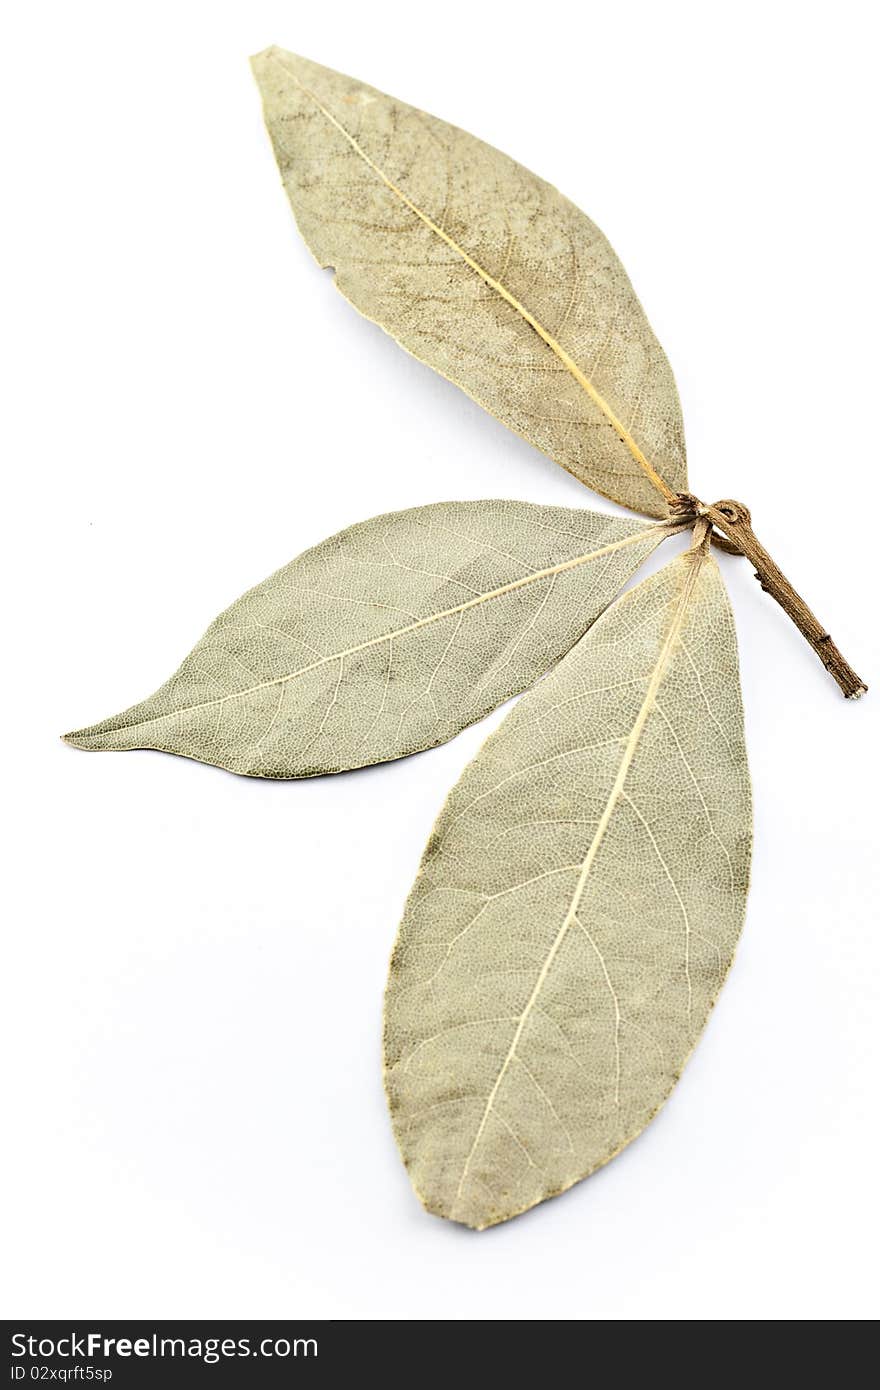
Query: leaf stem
[[735, 522]]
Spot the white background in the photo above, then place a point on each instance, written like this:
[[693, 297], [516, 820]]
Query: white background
[[195, 961]]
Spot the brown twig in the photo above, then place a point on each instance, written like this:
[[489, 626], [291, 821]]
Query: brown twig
[[734, 520]]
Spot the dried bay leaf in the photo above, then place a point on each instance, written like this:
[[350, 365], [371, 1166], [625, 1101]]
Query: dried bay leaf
[[576, 910], [386, 639], [483, 271]]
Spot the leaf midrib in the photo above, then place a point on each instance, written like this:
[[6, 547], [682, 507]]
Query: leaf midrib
[[695, 558], [623, 434]]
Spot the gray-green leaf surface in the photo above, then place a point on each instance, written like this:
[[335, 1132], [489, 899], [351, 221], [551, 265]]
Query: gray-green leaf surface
[[576, 910], [385, 639]]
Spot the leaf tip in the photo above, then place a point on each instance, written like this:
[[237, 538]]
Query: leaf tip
[[263, 56], [88, 738]]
